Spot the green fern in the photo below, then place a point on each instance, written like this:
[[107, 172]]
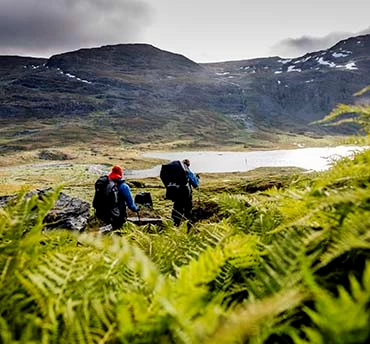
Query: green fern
[[271, 270], [343, 318], [173, 247], [360, 114]]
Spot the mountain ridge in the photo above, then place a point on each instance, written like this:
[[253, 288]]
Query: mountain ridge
[[142, 93]]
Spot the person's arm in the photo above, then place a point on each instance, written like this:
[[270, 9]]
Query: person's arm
[[126, 192], [194, 181]]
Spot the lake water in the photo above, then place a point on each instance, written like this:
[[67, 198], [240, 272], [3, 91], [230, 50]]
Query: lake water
[[317, 159]]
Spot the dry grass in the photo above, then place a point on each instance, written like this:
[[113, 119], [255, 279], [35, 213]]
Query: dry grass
[[81, 154], [25, 170]]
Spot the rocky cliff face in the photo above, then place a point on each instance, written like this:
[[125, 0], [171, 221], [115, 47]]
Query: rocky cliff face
[[293, 92], [144, 89]]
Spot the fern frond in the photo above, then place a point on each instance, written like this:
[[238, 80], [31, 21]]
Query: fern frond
[[343, 318], [174, 247], [250, 321], [6, 335], [363, 91], [360, 114]]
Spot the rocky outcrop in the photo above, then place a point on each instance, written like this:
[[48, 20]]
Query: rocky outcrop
[[67, 213]]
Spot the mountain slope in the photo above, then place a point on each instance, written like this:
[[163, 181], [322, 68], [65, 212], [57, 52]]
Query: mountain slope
[[294, 92], [143, 94]]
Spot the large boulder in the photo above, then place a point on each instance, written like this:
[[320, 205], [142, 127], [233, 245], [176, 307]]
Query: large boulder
[[67, 213]]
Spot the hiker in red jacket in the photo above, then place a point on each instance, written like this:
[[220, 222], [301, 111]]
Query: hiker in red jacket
[[111, 198]]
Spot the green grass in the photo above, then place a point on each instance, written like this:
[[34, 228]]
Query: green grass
[[176, 129]]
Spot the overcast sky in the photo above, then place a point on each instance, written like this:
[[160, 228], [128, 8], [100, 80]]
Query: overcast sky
[[202, 30]]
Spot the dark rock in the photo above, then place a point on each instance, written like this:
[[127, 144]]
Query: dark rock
[[5, 200], [67, 213]]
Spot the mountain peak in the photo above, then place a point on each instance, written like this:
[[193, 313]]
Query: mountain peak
[[359, 45], [126, 57]]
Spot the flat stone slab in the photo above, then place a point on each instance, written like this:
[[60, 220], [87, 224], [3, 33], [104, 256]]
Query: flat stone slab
[[141, 221]]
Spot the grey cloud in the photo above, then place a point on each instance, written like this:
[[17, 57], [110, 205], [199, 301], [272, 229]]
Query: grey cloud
[[43, 26], [293, 47]]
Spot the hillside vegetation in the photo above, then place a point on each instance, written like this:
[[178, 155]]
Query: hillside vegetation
[[286, 265], [132, 94]]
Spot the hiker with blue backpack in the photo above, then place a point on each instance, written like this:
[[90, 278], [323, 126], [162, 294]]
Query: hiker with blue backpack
[[112, 195], [179, 181]]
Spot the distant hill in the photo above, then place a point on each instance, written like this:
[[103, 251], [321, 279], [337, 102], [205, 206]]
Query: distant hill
[[143, 94]]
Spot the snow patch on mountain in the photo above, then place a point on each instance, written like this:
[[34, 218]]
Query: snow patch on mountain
[[321, 61], [337, 55], [293, 69], [73, 77]]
